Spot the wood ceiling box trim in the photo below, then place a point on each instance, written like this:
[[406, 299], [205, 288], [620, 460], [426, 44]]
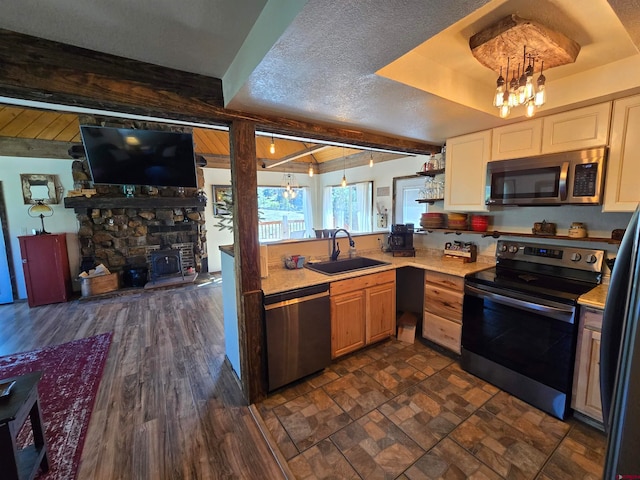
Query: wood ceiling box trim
[[46, 71], [507, 37]]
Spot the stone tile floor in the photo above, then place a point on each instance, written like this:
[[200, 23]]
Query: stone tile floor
[[396, 410]]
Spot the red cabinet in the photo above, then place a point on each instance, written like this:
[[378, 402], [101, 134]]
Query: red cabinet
[[46, 268]]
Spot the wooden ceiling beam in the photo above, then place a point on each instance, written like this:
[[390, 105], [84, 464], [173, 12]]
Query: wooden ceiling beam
[[36, 148], [299, 154], [45, 71]]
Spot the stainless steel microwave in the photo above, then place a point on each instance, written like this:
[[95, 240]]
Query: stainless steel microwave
[[561, 178]]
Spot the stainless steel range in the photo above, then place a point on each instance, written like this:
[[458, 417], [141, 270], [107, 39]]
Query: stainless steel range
[[520, 320]]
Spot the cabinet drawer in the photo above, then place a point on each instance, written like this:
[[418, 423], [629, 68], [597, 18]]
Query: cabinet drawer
[[442, 331], [592, 319], [443, 302], [360, 283], [444, 280]]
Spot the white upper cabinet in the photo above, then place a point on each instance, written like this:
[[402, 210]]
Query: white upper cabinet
[[466, 172], [517, 140], [577, 129], [621, 192]]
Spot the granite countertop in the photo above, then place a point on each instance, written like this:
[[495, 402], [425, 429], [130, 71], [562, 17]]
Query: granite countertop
[[281, 279], [595, 298]]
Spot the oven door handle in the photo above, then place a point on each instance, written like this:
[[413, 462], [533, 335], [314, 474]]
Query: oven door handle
[[559, 312]]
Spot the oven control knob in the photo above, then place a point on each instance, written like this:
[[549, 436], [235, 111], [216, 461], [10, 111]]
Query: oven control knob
[[503, 248], [591, 259], [513, 249], [575, 257]]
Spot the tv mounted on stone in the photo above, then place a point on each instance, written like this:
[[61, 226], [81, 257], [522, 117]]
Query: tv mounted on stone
[[123, 156]]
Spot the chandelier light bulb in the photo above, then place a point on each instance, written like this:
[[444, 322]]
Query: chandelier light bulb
[[499, 90], [541, 93], [541, 96], [522, 89], [505, 110], [529, 90], [531, 108]]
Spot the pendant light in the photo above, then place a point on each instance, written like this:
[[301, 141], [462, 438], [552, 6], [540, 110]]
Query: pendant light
[[521, 90], [371, 160], [541, 94], [499, 98], [272, 147], [290, 186], [310, 169], [344, 170]]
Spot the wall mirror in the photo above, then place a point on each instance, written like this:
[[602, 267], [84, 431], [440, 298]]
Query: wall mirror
[[39, 187]]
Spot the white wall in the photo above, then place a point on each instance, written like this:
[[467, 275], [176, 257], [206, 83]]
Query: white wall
[[510, 219], [20, 223], [219, 176], [382, 175]]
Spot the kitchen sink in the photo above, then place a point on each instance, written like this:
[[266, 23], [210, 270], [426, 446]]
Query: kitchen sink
[[342, 266]]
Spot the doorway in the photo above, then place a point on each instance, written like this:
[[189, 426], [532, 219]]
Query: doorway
[[6, 290]]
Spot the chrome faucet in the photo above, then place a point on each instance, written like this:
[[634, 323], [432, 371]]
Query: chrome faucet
[[335, 251]]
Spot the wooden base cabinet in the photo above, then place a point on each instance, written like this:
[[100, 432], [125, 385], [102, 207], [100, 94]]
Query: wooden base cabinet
[[46, 268], [380, 312], [586, 382], [363, 311], [442, 319]]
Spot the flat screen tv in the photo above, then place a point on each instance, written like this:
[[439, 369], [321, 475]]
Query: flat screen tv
[[123, 156]]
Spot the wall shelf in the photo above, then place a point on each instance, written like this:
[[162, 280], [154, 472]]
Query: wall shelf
[[134, 202], [497, 234], [429, 200], [430, 173]]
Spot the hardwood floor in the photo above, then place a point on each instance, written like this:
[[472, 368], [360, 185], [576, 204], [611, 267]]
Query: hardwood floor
[[168, 405]]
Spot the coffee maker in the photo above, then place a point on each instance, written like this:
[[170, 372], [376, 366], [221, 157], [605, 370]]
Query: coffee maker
[[401, 240]]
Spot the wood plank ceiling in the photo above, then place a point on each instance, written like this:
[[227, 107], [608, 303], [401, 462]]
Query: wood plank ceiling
[[213, 145]]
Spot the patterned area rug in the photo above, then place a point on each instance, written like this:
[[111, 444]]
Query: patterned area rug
[[68, 388]]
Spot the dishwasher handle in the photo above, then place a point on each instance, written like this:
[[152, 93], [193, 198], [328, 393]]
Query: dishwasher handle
[[294, 301], [297, 293]]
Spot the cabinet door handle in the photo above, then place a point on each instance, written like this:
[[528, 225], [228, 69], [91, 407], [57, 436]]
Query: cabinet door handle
[[24, 260]]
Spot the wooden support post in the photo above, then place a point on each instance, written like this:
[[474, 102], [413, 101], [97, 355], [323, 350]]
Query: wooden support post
[[244, 188]]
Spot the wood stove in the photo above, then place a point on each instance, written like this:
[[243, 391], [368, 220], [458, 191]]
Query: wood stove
[[165, 263]]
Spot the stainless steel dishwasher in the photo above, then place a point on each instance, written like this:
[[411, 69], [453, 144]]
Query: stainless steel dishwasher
[[298, 327]]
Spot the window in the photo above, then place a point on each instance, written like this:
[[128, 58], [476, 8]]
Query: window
[[349, 207], [407, 190], [283, 217]]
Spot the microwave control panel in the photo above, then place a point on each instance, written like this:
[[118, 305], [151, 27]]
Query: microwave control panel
[[584, 182]]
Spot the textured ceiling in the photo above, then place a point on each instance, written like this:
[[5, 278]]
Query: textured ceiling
[[334, 64], [197, 36]]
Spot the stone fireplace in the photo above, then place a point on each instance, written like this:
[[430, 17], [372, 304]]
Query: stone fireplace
[[119, 232], [122, 232]]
